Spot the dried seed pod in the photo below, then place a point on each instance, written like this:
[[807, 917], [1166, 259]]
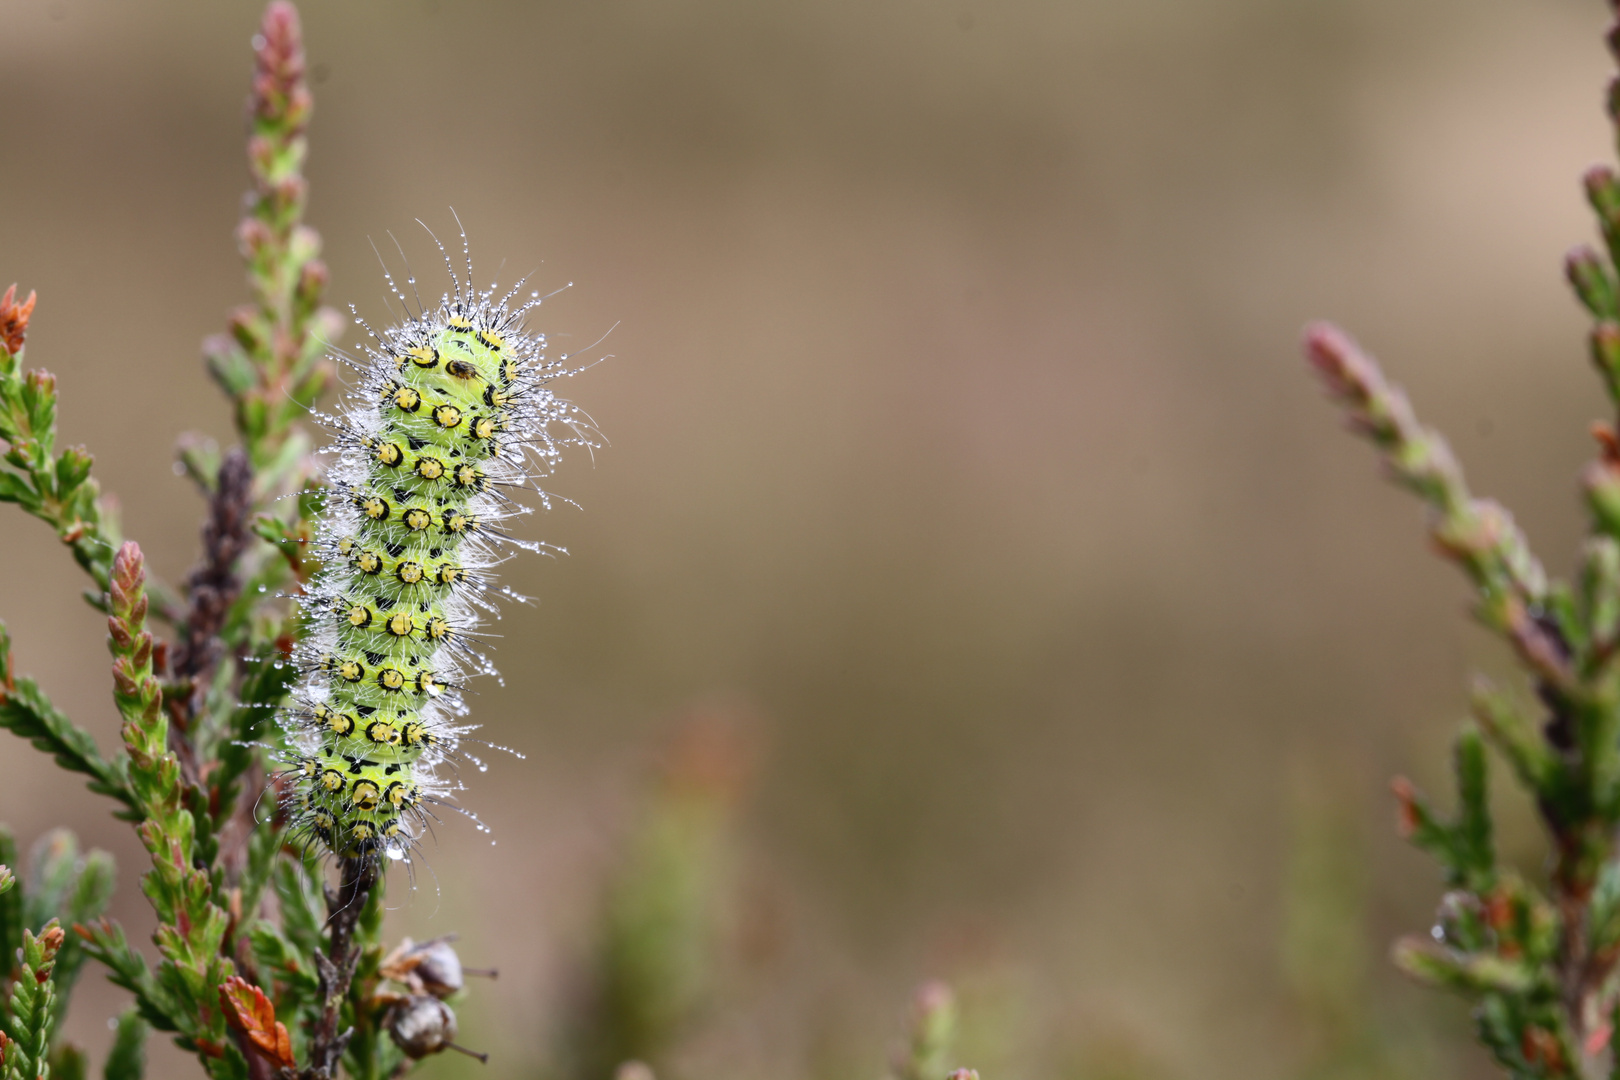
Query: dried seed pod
[[439, 968], [429, 968], [422, 1025]]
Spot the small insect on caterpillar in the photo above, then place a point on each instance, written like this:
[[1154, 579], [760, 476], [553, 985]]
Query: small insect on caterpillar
[[450, 412]]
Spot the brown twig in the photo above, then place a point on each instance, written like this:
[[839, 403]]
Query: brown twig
[[336, 968]]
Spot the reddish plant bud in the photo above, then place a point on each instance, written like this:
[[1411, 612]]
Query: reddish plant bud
[[252, 237], [1540, 1047], [1499, 910], [297, 107], [931, 998], [291, 190], [117, 631], [280, 96], [312, 279], [245, 321], [1605, 346], [52, 940], [14, 318], [1592, 282], [129, 566], [1406, 803], [1603, 191]]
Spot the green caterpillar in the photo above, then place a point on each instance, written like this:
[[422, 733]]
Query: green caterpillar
[[450, 413]]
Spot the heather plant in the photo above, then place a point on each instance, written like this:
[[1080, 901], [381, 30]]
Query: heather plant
[[1538, 956], [292, 712], [309, 674]]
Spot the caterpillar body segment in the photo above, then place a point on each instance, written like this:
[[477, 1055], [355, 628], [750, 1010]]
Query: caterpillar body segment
[[451, 411]]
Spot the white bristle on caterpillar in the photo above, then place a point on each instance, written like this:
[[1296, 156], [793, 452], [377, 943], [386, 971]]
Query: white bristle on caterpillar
[[449, 414]]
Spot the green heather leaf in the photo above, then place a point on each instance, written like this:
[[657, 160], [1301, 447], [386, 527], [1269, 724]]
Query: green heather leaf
[[68, 1062], [1472, 974], [230, 366], [294, 969], [1476, 854], [1514, 735], [30, 1013], [127, 1058], [53, 868], [1593, 282], [92, 892], [303, 913], [127, 969], [15, 489], [72, 470], [12, 901], [29, 714], [233, 1066]]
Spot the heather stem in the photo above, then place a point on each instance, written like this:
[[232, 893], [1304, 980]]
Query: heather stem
[[272, 362], [344, 908], [1477, 534]]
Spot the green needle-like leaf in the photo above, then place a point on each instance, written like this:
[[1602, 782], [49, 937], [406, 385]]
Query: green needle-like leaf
[[127, 1058], [26, 711]]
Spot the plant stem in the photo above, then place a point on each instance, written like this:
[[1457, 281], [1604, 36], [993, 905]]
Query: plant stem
[[343, 908]]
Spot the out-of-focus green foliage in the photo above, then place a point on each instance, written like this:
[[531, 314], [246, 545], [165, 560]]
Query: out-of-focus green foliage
[[655, 952]]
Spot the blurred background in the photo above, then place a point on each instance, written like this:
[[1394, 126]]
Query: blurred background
[[975, 586]]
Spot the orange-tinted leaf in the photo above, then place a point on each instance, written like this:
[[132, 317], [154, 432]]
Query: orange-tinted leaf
[[284, 1055], [251, 1013]]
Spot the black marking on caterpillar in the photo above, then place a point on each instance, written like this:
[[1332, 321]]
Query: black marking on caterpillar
[[451, 410]]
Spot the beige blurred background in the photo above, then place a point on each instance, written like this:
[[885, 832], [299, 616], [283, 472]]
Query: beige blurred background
[[961, 462]]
